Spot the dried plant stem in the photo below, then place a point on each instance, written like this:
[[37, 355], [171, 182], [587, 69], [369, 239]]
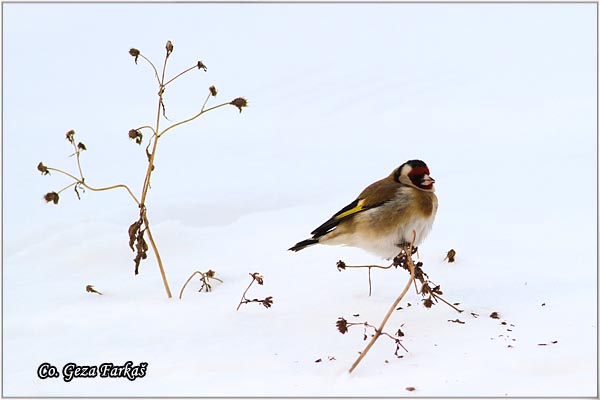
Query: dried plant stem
[[93, 189], [158, 259], [205, 278], [244, 295], [181, 73], [379, 330], [369, 267], [186, 282], [153, 67], [437, 297], [202, 111]]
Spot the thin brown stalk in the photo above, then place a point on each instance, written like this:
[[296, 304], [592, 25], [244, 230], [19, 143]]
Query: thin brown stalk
[[192, 118], [379, 330], [244, 295], [158, 259], [153, 67], [93, 189], [186, 282], [181, 73]]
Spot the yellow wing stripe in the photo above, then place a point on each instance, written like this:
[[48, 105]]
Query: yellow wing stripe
[[359, 207]]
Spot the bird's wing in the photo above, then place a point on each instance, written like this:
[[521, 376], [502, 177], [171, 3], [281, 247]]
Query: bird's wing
[[373, 196]]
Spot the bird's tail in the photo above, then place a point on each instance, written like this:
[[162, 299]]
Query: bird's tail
[[305, 243]]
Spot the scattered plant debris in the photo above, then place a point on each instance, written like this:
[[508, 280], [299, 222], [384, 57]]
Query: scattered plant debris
[[90, 289], [450, 256], [495, 315], [456, 321], [410, 388]]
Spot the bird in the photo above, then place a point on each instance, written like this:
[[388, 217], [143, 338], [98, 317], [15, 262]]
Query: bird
[[386, 215]]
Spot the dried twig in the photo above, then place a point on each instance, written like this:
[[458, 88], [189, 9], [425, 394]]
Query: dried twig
[[204, 277], [266, 302], [379, 330]]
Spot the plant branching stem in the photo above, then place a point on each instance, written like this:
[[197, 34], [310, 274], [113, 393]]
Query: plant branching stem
[[158, 259], [153, 67], [186, 282], [244, 295], [66, 187], [146, 184], [147, 127], [181, 73], [93, 189], [379, 330], [191, 118]]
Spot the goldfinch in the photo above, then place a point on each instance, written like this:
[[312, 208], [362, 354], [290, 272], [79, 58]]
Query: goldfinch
[[385, 215]]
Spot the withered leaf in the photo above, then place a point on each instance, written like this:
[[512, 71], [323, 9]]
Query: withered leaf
[[201, 65], [399, 333], [428, 303], [410, 388], [43, 169], [495, 315], [133, 231], [81, 146]]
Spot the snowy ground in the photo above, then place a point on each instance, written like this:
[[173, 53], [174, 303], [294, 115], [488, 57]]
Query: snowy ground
[[498, 99]]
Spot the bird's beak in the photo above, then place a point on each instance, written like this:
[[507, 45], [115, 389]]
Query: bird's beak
[[427, 180]]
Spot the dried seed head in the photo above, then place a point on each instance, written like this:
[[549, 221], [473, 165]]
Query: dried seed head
[[169, 47], [213, 91], [268, 302], [259, 279], [51, 197], [210, 273], [136, 135], [201, 65], [240, 103], [43, 169], [342, 325], [450, 256], [134, 53], [341, 265], [81, 146], [70, 135]]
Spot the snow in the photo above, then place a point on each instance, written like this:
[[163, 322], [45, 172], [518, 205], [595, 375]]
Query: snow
[[498, 99]]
